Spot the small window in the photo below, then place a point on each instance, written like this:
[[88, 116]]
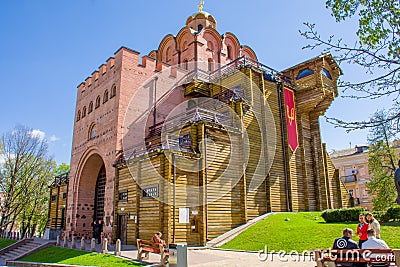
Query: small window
[[113, 91], [98, 101], [92, 132], [64, 195], [90, 107], [199, 28], [84, 112], [78, 117], [210, 65], [326, 73], [123, 196], [105, 97], [229, 51], [304, 73], [53, 198]]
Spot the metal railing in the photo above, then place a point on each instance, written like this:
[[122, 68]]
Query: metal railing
[[171, 139], [233, 67]]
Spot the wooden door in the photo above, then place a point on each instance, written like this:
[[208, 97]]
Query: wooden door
[[122, 231]]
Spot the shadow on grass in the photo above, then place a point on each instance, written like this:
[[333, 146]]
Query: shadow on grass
[[78, 257], [54, 255]]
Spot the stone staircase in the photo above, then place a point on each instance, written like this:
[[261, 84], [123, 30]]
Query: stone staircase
[[22, 248]]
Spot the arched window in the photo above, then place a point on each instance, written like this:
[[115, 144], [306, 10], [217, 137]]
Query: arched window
[[199, 27], [105, 97], [84, 112], [78, 117], [90, 109], [326, 73], [113, 91], [186, 64], [229, 51], [304, 73], [98, 101], [92, 132], [167, 54], [210, 46], [184, 45]]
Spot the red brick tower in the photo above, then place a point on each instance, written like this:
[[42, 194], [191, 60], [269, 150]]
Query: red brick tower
[[102, 101]]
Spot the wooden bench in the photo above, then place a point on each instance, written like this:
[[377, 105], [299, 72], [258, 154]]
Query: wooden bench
[[370, 256], [145, 247]]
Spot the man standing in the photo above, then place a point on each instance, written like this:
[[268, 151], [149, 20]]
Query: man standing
[[397, 182], [373, 224]]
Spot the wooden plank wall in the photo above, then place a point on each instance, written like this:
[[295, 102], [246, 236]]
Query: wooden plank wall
[[55, 207], [225, 208], [312, 182]]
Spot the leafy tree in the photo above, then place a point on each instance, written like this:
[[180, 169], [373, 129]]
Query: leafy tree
[[62, 168], [25, 174], [381, 162], [377, 51]]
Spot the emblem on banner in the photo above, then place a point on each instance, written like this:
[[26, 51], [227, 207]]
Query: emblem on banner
[[291, 120]]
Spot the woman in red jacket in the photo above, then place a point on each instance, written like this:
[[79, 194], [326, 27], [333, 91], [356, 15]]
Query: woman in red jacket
[[362, 229]]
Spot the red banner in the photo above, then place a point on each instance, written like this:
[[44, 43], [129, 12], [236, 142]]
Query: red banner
[[291, 121]]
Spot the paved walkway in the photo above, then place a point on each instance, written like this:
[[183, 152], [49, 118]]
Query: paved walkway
[[217, 258], [205, 257]]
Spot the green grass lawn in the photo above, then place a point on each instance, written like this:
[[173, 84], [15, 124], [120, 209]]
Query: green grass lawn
[[77, 257], [304, 231], [4, 242]]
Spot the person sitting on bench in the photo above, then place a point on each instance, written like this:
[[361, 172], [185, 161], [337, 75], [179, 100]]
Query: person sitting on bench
[[157, 239], [375, 243], [346, 242]]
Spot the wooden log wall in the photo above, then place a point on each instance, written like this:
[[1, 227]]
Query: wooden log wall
[[310, 183], [56, 207]]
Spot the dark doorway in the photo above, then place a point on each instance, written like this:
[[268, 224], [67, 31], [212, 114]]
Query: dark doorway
[[122, 233], [99, 197], [62, 225]]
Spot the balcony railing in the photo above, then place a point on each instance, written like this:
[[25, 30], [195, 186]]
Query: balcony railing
[[231, 68], [170, 139], [349, 178], [62, 178]]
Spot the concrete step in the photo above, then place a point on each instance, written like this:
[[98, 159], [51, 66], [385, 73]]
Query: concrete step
[[24, 249], [28, 247], [31, 244], [12, 253]]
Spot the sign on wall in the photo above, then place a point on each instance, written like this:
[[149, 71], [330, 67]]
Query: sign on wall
[[150, 191], [183, 215]]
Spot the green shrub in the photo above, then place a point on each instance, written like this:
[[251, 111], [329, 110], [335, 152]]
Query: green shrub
[[342, 215], [381, 216], [393, 213]]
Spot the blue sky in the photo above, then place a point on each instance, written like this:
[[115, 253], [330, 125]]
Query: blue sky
[[49, 47]]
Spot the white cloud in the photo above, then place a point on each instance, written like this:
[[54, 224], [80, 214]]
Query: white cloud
[[53, 138], [38, 134]]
